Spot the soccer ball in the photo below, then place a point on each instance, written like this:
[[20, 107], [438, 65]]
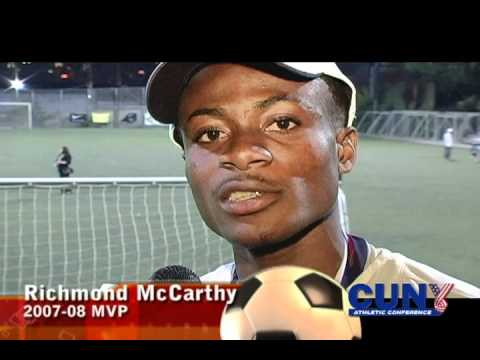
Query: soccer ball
[[290, 302]]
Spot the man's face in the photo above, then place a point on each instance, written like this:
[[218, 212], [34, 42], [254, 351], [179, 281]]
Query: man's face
[[261, 163]]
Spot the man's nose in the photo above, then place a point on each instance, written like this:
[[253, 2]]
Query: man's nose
[[246, 152]]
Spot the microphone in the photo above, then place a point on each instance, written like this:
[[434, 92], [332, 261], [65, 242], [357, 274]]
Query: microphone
[[175, 273]]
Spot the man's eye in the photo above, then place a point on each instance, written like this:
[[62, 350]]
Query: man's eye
[[282, 124], [211, 135]]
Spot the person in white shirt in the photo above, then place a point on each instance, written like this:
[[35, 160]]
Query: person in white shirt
[[448, 143], [264, 145], [475, 149]]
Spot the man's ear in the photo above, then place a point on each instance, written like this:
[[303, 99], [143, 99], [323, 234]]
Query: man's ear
[[347, 149]]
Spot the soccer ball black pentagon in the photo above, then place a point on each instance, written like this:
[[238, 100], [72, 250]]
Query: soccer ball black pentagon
[[289, 302]]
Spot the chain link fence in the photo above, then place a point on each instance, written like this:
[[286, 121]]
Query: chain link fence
[[71, 108]]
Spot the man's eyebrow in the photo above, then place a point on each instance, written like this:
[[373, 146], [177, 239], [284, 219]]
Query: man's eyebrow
[[207, 111], [273, 100], [263, 104]]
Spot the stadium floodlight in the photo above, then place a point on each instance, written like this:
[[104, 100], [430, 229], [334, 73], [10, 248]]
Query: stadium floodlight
[[17, 84]]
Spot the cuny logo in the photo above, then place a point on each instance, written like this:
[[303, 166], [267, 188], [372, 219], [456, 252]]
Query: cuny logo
[[412, 303]]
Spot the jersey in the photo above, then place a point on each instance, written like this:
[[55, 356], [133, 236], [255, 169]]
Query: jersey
[[342, 207], [447, 139], [378, 266]]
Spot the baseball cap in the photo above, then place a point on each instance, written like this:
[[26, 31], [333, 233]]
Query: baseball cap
[[168, 80]]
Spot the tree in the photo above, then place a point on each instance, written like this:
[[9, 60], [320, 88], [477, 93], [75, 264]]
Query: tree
[[433, 85]]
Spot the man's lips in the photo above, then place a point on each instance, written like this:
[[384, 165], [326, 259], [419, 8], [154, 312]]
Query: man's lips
[[247, 197]]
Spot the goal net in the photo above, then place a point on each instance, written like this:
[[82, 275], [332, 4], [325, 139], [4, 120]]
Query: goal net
[[100, 231], [14, 115]]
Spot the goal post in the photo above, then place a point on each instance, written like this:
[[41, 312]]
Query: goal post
[[105, 230], [14, 115]]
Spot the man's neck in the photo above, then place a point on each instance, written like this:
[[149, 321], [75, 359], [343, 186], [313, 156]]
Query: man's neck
[[321, 249]]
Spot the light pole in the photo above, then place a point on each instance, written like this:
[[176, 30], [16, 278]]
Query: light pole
[[118, 74], [16, 83], [87, 67], [373, 84]]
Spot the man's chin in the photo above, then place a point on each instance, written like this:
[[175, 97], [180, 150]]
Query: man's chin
[[258, 243], [250, 237], [262, 240]]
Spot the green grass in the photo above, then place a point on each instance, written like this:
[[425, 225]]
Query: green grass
[[96, 152], [401, 196], [407, 198]]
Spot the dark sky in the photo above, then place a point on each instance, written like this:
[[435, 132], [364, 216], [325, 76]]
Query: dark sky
[[68, 75], [72, 75]]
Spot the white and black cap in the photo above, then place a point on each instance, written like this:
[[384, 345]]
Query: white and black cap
[[169, 79]]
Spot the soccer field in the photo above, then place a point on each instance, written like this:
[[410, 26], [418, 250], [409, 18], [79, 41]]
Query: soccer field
[[401, 196]]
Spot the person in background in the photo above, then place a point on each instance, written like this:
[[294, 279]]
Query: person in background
[[475, 150], [448, 143], [63, 161]]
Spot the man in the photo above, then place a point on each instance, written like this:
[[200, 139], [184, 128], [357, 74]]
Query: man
[[264, 145], [448, 143], [475, 149], [63, 161]]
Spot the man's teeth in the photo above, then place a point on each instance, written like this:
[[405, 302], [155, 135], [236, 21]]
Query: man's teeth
[[244, 195]]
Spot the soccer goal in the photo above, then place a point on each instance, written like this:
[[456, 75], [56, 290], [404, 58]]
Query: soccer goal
[[101, 230], [15, 115]]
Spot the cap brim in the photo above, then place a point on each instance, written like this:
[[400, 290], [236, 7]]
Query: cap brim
[[167, 81], [164, 89]]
